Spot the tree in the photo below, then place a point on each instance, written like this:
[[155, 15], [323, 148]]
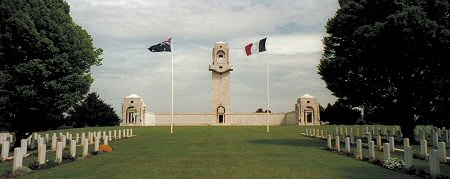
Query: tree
[[93, 112], [390, 56], [339, 114], [45, 61]]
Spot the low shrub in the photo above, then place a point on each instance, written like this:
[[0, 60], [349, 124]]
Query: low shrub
[[21, 171], [34, 165], [66, 155], [105, 148], [394, 164]]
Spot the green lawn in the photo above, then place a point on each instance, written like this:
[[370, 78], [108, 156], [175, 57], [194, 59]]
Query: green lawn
[[215, 152]]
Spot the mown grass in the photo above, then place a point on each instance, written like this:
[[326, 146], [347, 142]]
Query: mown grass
[[215, 152]]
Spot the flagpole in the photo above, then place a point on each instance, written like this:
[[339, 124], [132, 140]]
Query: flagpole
[[268, 94], [171, 124]]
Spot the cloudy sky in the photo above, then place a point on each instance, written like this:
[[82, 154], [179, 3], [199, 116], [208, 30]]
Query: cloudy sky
[[124, 29]]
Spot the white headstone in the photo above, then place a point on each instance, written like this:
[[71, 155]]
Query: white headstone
[[63, 141], [77, 137], [91, 137], [392, 144], [85, 147], [338, 145], [329, 142], [442, 152], [41, 153], [105, 140], [435, 139], [386, 152], [434, 163], [18, 158], [347, 145], [372, 150], [408, 157], [379, 142], [73, 148], [405, 143], [47, 138], [54, 140], [83, 136], [424, 148], [131, 133], [23, 145], [359, 155], [5, 150], [97, 143], [109, 136], [115, 134], [59, 149], [120, 134]]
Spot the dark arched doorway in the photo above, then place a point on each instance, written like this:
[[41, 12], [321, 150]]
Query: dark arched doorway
[[221, 114]]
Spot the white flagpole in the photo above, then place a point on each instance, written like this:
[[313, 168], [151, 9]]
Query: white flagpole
[[171, 52], [268, 94]]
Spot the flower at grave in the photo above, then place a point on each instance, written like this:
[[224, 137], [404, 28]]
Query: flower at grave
[[394, 164], [105, 148]]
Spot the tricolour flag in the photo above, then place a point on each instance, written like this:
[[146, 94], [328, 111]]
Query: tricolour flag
[[161, 47], [256, 47]]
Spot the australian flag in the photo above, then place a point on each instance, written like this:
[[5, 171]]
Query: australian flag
[[161, 47]]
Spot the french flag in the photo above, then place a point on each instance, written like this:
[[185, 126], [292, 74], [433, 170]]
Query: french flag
[[256, 47]]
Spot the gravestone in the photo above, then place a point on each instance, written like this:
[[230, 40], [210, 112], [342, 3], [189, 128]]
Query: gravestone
[[405, 143], [423, 148], [54, 140], [85, 147], [47, 138], [23, 145], [115, 134], [41, 153], [379, 142], [329, 142], [391, 144], [109, 136], [131, 133], [120, 134], [18, 158], [307, 132], [63, 142], [338, 145], [83, 136], [77, 137], [73, 148], [347, 145], [59, 149], [434, 163], [435, 139], [372, 150], [97, 143], [359, 155], [5, 149], [386, 152], [408, 157], [105, 140], [442, 152]]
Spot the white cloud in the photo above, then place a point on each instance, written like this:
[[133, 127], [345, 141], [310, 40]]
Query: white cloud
[[124, 29]]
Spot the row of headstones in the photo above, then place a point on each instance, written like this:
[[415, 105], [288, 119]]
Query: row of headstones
[[435, 134], [6, 136], [348, 132], [21, 152], [321, 134], [435, 156]]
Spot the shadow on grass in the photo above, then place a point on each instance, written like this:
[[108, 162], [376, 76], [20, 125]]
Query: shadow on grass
[[288, 142]]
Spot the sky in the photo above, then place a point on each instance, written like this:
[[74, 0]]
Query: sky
[[124, 29]]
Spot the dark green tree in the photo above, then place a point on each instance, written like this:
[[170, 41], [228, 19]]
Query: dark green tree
[[339, 113], [93, 112], [390, 55], [45, 61]]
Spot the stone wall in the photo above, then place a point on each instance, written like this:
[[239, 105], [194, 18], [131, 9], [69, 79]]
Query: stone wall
[[204, 119]]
